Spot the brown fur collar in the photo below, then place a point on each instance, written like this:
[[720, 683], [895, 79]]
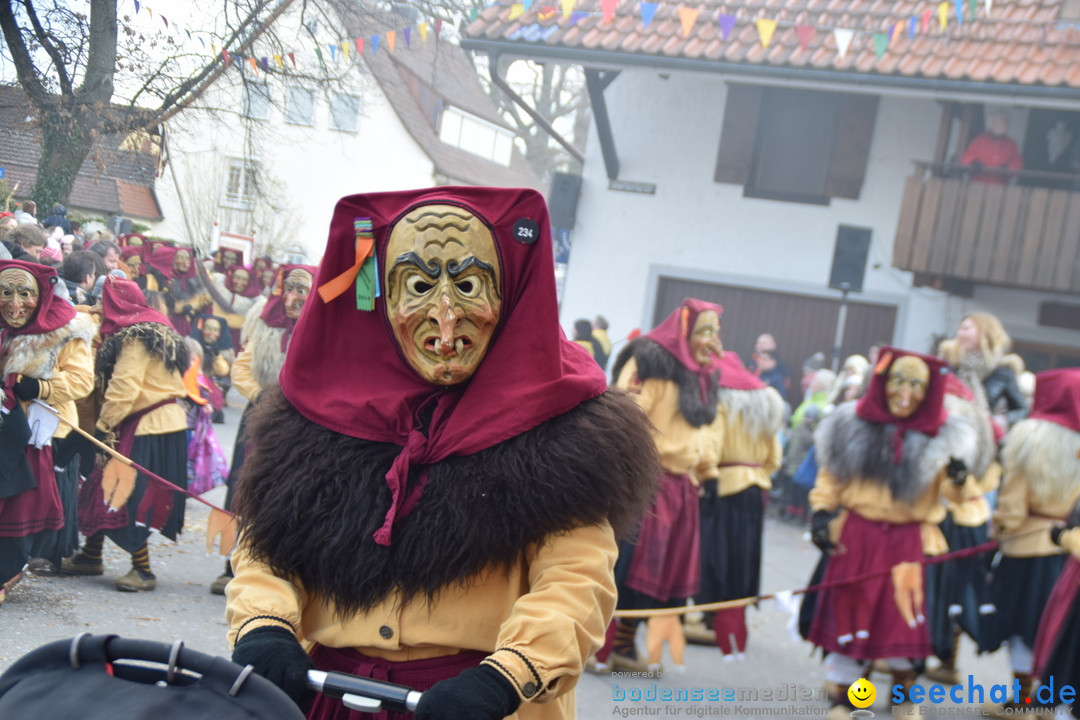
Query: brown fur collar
[[310, 499], [36, 355], [654, 362], [851, 448]]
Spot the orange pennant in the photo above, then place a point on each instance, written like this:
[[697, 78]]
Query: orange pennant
[[391, 36], [687, 16]]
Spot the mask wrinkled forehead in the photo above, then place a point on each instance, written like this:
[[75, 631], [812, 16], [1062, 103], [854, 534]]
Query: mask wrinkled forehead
[[17, 278], [442, 228], [298, 278], [909, 367]]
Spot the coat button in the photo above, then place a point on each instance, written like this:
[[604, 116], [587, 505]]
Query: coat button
[[529, 689], [386, 632]]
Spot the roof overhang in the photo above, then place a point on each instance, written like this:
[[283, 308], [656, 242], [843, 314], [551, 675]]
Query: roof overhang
[[920, 87]]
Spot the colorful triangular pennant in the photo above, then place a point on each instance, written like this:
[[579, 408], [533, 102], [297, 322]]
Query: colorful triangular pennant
[[765, 27], [359, 46], [843, 38], [727, 24], [423, 32], [374, 44], [943, 15], [568, 7], [516, 11], [607, 7], [391, 37], [881, 44], [687, 18], [648, 12], [438, 28], [407, 34], [576, 17], [805, 33]]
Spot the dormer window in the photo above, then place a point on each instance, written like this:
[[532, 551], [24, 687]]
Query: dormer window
[[475, 135]]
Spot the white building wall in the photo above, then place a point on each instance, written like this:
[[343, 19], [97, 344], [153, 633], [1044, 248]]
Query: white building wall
[[315, 166], [667, 132]]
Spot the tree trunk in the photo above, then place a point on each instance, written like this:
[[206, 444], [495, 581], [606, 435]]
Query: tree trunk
[[65, 145]]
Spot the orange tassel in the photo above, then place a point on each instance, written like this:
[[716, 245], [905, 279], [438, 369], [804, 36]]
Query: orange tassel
[[685, 318], [365, 247]]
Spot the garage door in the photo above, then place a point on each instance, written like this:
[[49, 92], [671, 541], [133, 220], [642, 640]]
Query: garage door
[[801, 324]]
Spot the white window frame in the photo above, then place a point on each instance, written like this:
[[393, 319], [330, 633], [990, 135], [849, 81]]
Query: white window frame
[[290, 106], [476, 136], [259, 91], [353, 113], [240, 184]]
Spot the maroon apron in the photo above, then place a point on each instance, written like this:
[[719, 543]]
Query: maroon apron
[[666, 562]]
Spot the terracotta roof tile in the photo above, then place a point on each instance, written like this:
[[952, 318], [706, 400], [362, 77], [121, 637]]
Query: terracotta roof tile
[[1021, 42]]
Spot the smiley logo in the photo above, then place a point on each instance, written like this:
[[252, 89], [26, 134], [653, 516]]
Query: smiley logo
[[862, 693]]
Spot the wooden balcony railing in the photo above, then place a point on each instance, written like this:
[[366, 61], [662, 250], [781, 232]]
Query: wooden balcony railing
[[1013, 233]]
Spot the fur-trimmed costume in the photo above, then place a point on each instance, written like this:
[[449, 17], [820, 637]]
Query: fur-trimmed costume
[[733, 512], [884, 478], [41, 521], [1041, 458], [388, 522]]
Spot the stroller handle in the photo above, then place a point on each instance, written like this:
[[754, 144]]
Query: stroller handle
[[363, 694]]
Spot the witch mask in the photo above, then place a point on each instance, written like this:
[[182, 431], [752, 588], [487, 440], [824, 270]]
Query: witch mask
[[19, 297], [443, 291], [905, 390]]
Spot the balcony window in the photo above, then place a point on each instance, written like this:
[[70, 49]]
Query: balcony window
[[300, 106], [795, 145]]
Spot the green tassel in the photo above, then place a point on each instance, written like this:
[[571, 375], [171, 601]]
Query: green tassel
[[365, 285]]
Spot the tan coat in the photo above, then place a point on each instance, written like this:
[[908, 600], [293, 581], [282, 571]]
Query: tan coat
[[139, 381], [553, 604], [683, 448]]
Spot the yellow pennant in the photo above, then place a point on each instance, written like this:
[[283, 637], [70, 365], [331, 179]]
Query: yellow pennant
[[687, 16], [943, 14], [516, 11], [568, 7], [766, 28], [277, 60], [391, 36], [423, 32], [345, 49]]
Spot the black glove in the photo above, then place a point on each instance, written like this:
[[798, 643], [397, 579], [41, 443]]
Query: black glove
[[480, 693], [819, 530], [957, 471], [276, 654], [709, 489], [27, 389]]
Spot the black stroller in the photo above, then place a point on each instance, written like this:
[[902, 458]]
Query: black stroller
[[99, 677]]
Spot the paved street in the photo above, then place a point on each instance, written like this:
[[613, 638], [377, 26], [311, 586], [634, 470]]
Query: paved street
[[42, 609]]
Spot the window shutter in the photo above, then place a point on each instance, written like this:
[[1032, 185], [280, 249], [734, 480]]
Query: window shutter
[[741, 111], [853, 132]]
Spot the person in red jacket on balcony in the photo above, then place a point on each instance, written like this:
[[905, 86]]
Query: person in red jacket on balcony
[[993, 149]]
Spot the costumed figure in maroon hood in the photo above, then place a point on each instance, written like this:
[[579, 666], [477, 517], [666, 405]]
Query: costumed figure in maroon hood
[[672, 372], [1057, 645], [1040, 488], [139, 376], [267, 331], [886, 462], [135, 268], [177, 279], [234, 293], [433, 493], [733, 507], [45, 356]]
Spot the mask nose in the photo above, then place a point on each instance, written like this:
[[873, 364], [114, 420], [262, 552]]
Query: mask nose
[[447, 316]]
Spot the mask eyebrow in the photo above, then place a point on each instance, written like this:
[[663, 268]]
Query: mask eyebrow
[[432, 270], [457, 268]]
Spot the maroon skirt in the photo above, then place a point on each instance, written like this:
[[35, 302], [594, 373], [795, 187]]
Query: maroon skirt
[[861, 619], [1061, 603], [419, 675], [39, 508], [666, 562]]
